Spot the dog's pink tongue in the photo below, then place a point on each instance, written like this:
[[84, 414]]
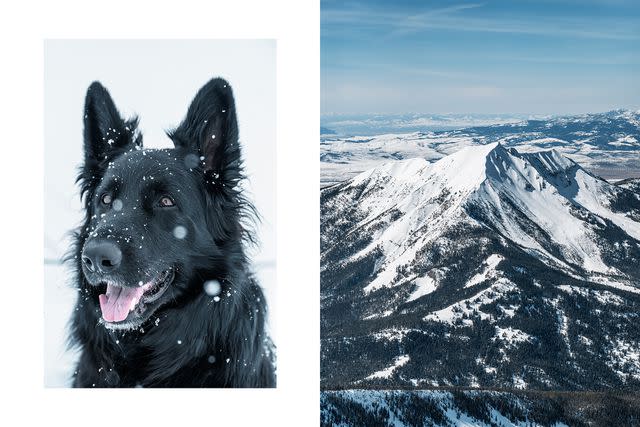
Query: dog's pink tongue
[[116, 302]]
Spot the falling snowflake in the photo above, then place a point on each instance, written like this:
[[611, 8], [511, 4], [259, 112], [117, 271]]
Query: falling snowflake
[[212, 287], [179, 232]]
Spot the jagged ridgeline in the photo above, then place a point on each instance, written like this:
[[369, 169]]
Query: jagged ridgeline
[[488, 268], [604, 143]]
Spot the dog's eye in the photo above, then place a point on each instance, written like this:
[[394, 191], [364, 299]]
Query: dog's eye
[[106, 198], [166, 202]]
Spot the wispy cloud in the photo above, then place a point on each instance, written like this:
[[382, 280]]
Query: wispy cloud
[[480, 55], [415, 22], [398, 69], [445, 10], [548, 28], [575, 60], [451, 18]]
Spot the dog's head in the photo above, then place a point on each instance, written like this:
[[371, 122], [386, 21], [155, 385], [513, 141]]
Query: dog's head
[[159, 223]]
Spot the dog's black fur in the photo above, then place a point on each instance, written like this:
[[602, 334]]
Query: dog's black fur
[[136, 199]]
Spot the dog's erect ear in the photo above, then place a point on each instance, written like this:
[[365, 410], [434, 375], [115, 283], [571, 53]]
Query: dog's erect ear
[[211, 130], [106, 134], [105, 131]]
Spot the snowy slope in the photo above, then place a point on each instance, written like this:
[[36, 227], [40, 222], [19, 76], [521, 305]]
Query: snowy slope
[[473, 408], [545, 188], [483, 238]]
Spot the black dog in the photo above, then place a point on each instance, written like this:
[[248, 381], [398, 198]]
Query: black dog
[[166, 297]]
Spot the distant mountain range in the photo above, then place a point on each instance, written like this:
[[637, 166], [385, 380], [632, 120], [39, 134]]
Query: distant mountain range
[[607, 144], [375, 124], [491, 267], [326, 131]]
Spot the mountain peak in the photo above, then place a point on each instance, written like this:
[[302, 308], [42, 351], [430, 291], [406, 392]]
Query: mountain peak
[[541, 201], [473, 165], [551, 160], [463, 173], [466, 169], [470, 167]]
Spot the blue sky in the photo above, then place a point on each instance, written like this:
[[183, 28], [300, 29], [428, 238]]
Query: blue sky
[[520, 56]]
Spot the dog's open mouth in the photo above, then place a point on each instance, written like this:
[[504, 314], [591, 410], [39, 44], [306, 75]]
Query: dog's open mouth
[[119, 301]]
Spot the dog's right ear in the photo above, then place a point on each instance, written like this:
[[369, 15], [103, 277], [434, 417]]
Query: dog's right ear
[[106, 135], [211, 130]]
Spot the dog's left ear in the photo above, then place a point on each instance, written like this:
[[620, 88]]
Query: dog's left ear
[[105, 131], [106, 135], [211, 130]]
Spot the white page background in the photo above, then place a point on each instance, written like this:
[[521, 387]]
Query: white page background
[[295, 26]]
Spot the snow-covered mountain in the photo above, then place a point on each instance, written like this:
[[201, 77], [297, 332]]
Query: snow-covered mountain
[[488, 268], [607, 144]]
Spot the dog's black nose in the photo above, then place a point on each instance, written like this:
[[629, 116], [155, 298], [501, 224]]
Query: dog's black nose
[[101, 256]]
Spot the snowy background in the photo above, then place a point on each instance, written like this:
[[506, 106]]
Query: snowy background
[[156, 80]]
